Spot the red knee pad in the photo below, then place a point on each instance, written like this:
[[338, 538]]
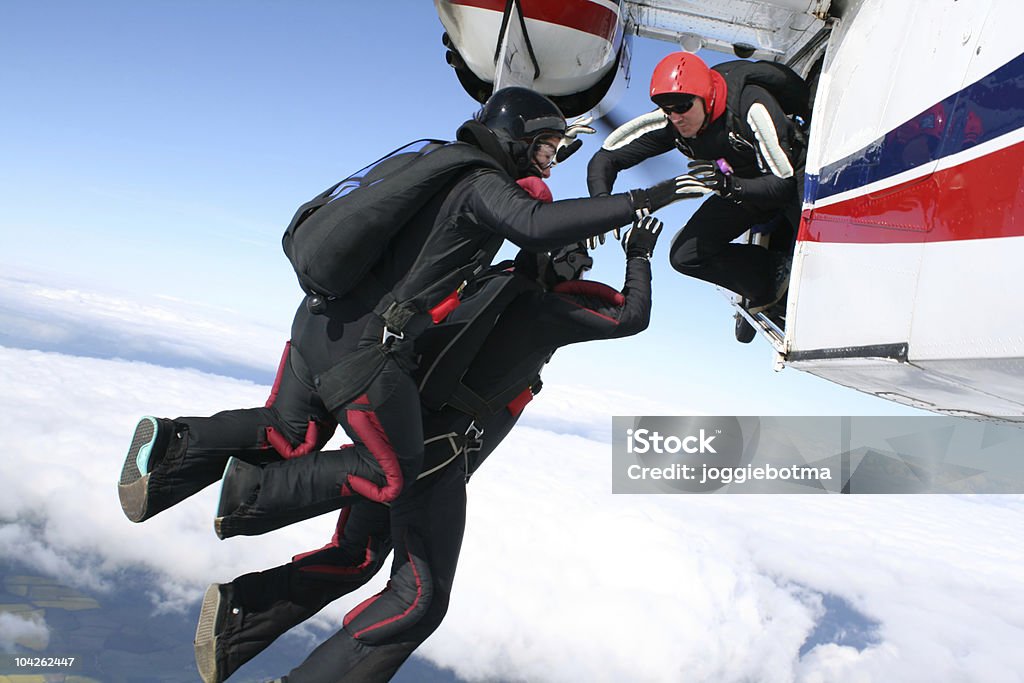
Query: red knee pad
[[369, 430]]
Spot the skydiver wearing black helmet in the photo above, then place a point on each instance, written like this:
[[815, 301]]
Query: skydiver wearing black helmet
[[349, 359], [337, 370]]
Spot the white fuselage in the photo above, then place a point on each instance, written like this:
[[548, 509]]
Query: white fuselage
[[913, 225]]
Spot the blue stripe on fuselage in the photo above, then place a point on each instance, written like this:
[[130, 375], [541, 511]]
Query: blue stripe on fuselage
[[984, 110]]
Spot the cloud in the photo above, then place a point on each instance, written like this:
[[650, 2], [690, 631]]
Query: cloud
[[559, 579], [721, 588], [67, 422], [579, 410], [24, 630], [164, 331]]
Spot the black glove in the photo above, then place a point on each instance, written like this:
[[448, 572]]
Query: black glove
[[641, 238], [570, 142], [664, 193], [706, 177], [567, 150]]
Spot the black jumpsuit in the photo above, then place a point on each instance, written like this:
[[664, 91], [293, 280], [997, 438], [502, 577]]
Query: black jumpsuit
[[703, 247], [379, 406], [426, 524]]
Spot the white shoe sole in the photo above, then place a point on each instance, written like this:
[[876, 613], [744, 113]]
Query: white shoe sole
[[133, 487], [206, 634]]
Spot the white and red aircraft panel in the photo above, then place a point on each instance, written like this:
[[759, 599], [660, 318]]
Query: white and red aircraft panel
[[913, 228], [560, 48]]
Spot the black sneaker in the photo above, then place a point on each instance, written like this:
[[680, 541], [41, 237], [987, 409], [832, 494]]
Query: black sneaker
[[780, 286], [212, 617], [239, 488], [238, 485], [148, 448]]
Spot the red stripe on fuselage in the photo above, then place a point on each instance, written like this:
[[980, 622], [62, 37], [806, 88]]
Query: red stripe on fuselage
[[582, 15], [978, 199]]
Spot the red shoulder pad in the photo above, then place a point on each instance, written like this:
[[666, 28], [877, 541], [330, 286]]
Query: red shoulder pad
[[536, 188], [598, 290]]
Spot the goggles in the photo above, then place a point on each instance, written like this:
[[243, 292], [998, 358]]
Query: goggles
[[679, 106], [543, 152]]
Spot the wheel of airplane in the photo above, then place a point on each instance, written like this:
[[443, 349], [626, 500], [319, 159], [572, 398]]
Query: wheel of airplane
[[745, 332]]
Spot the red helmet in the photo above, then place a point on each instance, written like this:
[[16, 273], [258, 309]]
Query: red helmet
[[684, 73]]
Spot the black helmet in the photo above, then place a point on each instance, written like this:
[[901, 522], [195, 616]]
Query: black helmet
[[521, 114], [550, 269], [570, 263]]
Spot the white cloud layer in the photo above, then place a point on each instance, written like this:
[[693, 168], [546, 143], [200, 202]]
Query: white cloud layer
[[559, 579], [54, 316]]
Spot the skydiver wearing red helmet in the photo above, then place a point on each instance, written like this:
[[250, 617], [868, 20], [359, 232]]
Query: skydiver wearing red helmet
[[747, 153]]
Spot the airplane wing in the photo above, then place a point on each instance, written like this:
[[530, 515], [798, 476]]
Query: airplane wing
[[577, 51], [777, 30]]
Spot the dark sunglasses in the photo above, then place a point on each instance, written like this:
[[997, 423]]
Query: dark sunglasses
[[678, 107]]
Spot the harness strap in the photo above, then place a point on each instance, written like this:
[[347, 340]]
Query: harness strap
[[453, 441], [469, 402], [403, 318]]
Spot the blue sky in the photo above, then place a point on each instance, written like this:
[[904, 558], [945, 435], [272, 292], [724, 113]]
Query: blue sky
[[160, 148]]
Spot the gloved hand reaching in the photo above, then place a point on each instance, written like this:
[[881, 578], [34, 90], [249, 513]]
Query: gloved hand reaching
[[646, 201], [706, 177], [640, 239], [664, 193], [570, 143]]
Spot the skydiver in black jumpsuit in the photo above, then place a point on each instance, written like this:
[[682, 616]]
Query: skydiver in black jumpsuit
[[425, 526], [337, 368], [758, 184]]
